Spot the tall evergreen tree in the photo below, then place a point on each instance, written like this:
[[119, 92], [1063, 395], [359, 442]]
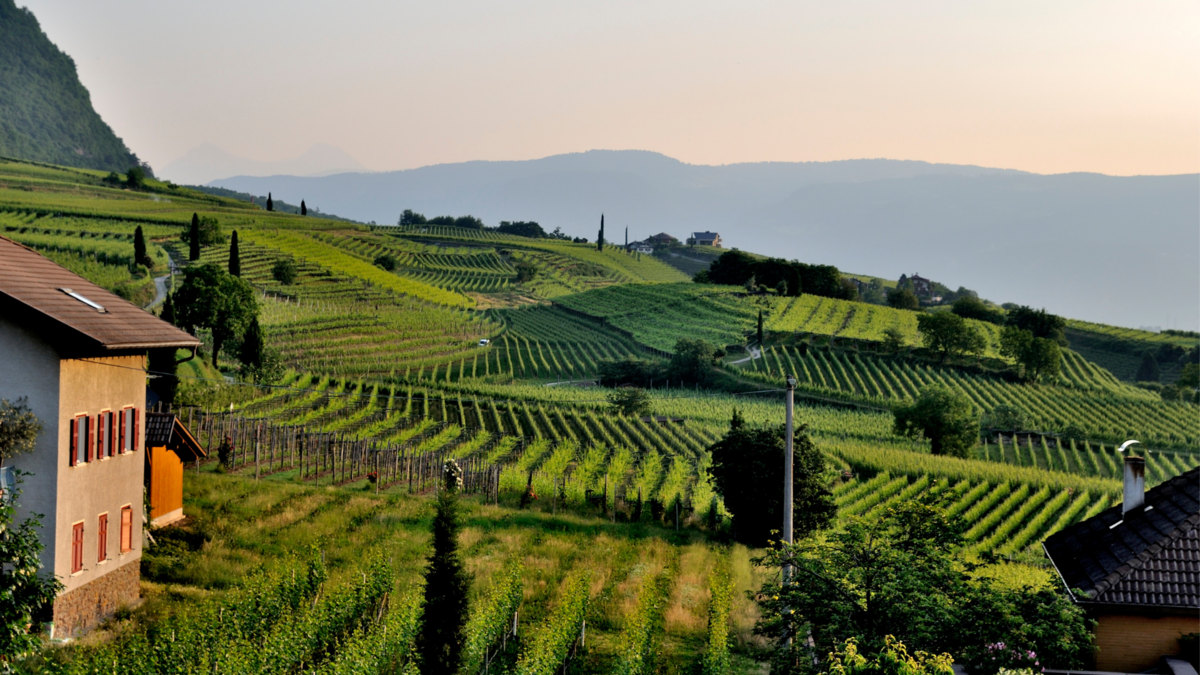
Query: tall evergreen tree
[[270, 202], [140, 256], [760, 332], [440, 642], [600, 237], [253, 345], [627, 239], [194, 239], [235, 258], [303, 208], [168, 309]]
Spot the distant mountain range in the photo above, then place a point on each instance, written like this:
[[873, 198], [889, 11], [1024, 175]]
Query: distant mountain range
[[46, 114], [1120, 250], [207, 162]]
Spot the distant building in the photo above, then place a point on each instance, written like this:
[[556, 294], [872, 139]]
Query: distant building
[[707, 239], [661, 239], [921, 287], [78, 353], [642, 247], [1138, 567]]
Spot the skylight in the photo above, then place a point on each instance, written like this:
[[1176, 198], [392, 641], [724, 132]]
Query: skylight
[[96, 306]]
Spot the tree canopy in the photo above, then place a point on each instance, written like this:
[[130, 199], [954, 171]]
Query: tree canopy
[[903, 298], [1039, 322], [971, 307], [949, 334], [737, 268], [747, 471], [692, 363], [898, 576], [522, 228], [1036, 357], [211, 298], [944, 417]]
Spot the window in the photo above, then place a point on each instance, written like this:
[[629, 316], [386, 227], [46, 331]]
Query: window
[[104, 436], [126, 529], [102, 533], [77, 548], [80, 437]]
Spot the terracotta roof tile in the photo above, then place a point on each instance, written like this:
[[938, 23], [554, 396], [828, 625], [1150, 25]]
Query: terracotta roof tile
[[31, 282]]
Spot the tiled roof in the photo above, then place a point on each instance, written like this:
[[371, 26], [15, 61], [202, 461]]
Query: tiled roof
[[1148, 557], [31, 291]]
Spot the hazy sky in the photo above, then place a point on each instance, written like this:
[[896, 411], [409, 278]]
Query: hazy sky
[[1042, 86]]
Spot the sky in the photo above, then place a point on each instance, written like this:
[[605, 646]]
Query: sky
[[1048, 87]]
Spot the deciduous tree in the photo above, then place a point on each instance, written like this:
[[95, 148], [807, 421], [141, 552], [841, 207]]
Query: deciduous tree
[[211, 298], [944, 417], [903, 298], [19, 429], [25, 590], [949, 334], [747, 471], [629, 401]]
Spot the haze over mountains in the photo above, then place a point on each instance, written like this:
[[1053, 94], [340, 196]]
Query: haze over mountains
[[1121, 250], [207, 162]]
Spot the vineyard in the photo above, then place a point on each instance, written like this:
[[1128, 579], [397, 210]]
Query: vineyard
[[592, 537]]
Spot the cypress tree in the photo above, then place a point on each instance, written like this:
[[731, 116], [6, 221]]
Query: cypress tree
[[139, 249], [303, 208], [760, 334], [1148, 370], [253, 345], [168, 310], [627, 239], [235, 259], [440, 642], [600, 237], [270, 202], [194, 239]]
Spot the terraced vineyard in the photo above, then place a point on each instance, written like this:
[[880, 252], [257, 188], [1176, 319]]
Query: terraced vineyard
[[1103, 408]]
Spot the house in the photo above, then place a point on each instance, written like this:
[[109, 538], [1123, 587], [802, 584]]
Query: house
[[661, 239], [1138, 566], [78, 353], [921, 287], [706, 239], [169, 447], [644, 247]]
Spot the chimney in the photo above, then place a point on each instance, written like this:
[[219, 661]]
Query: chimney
[[1135, 484]]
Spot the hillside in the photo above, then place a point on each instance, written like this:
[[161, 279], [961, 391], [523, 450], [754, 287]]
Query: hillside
[[46, 114], [402, 347], [1010, 235]]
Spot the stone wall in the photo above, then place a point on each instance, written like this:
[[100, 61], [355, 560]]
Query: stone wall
[[79, 610]]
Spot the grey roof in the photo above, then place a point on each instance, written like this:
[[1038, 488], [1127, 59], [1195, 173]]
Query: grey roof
[[1149, 557], [167, 430]]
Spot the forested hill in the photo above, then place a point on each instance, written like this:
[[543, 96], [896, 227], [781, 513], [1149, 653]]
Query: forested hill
[[46, 114]]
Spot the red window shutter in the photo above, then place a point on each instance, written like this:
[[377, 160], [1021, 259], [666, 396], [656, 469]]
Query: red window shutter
[[74, 442], [135, 430], [77, 548], [112, 434], [102, 533], [126, 529], [93, 439], [121, 431]]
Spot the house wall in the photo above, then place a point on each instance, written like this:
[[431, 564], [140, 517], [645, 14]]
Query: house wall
[[30, 368], [1132, 644], [106, 485]]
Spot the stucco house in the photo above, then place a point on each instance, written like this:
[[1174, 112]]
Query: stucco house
[[706, 239], [1138, 566], [78, 353]]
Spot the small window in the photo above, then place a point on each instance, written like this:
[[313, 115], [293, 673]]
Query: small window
[[104, 445], [77, 548], [126, 529], [80, 440], [102, 533], [80, 297]]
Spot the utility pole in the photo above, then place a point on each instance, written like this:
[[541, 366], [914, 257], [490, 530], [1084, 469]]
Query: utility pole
[[787, 475]]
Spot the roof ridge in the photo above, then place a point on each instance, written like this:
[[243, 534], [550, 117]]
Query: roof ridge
[[1139, 561]]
